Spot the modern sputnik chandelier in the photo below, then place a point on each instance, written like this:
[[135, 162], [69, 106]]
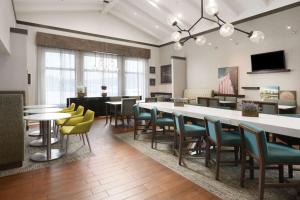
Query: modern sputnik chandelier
[[225, 29]]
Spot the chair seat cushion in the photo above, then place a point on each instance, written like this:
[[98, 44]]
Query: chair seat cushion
[[144, 116], [231, 138], [164, 121], [66, 130], [282, 154], [194, 130]]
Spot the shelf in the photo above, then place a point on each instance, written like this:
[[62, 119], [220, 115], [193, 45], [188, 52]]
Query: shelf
[[269, 71], [251, 88]]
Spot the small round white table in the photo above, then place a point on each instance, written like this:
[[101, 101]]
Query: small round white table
[[38, 132], [46, 119], [40, 106]]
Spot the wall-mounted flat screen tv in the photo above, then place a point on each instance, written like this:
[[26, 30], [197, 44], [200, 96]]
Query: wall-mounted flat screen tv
[[268, 61]]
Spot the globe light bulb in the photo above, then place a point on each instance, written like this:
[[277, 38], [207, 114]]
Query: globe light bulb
[[171, 20], [200, 40], [176, 36], [226, 30], [212, 8], [178, 46], [257, 36]]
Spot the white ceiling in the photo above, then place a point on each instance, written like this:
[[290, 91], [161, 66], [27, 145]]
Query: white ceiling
[[150, 16]]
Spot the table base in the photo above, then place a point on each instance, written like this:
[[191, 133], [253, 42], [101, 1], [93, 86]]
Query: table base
[[35, 134], [39, 142], [42, 156]]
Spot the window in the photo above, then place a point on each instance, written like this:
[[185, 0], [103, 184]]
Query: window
[[134, 77], [58, 76], [101, 70]]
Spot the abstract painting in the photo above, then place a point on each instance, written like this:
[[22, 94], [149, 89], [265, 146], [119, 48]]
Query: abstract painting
[[268, 93], [166, 74], [228, 80]]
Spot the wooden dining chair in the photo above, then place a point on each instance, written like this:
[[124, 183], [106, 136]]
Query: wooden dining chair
[[218, 138], [150, 99], [270, 108], [142, 120], [213, 102], [126, 110], [202, 101], [254, 144]]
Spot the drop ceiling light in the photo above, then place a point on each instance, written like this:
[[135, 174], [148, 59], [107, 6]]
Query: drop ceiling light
[[225, 29]]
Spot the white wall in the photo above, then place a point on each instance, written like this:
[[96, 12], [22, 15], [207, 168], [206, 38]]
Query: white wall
[[32, 54], [203, 62], [179, 83], [7, 20], [13, 68]]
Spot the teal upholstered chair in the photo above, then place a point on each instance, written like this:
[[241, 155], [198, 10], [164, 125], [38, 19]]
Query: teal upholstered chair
[[254, 144], [188, 133], [161, 122], [139, 118], [219, 138]]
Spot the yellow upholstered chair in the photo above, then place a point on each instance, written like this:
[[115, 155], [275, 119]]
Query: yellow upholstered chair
[[71, 108], [78, 126]]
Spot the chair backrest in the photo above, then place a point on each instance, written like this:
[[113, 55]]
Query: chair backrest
[[150, 99], [72, 107], [269, 108], [234, 99], [115, 98], [79, 110], [136, 110], [127, 105], [179, 122], [213, 102], [202, 101], [135, 97], [213, 129], [153, 115], [89, 116], [254, 141]]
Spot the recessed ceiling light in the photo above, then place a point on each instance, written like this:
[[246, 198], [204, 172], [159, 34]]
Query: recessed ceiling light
[[209, 44], [288, 27], [230, 39], [179, 15], [135, 14], [156, 26]]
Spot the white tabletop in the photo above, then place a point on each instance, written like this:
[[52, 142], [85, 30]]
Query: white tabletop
[[47, 116], [272, 123], [42, 110], [40, 106], [285, 107]]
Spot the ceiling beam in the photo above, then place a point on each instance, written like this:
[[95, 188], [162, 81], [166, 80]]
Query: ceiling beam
[[164, 26], [129, 21], [110, 6]]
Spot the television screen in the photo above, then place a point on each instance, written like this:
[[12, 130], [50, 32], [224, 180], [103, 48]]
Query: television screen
[[268, 61]]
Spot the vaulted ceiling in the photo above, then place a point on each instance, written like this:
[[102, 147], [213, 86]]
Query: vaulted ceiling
[[150, 16]]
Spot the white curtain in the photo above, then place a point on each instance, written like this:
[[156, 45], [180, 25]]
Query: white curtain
[[101, 69], [135, 77], [56, 78]]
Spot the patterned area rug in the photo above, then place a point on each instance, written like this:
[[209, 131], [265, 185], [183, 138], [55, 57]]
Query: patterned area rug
[[76, 151], [195, 171]]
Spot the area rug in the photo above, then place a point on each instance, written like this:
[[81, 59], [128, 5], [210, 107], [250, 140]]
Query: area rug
[[195, 170], [76, 151]]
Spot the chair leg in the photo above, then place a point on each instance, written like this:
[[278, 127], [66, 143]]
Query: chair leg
[[218, 162], [236, 156], [261, 181], [290, 171], [207, 152], [135, 129], [153, 136], [61, 141], [175, 143], [251, 162], [82, 139], [67, 143], [88, 141], [180, 149], [243, 167], [281, 173]]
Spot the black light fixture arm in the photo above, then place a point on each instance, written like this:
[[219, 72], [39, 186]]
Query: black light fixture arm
[[220, 22]]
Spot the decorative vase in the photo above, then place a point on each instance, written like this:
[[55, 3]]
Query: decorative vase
[[81, 91]]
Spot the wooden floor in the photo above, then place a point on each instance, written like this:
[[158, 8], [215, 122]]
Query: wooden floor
[[117, 171]]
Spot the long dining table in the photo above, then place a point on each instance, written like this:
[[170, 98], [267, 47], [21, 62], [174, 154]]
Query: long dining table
[[282, 125]]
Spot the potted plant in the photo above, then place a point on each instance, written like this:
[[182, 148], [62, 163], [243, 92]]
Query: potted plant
[[81, 91], [250, 110]]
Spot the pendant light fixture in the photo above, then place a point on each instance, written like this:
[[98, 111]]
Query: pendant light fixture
[[225, 29]]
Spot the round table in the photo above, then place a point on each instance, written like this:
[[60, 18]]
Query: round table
[[40, 106], [38, 132], [46, 119]]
